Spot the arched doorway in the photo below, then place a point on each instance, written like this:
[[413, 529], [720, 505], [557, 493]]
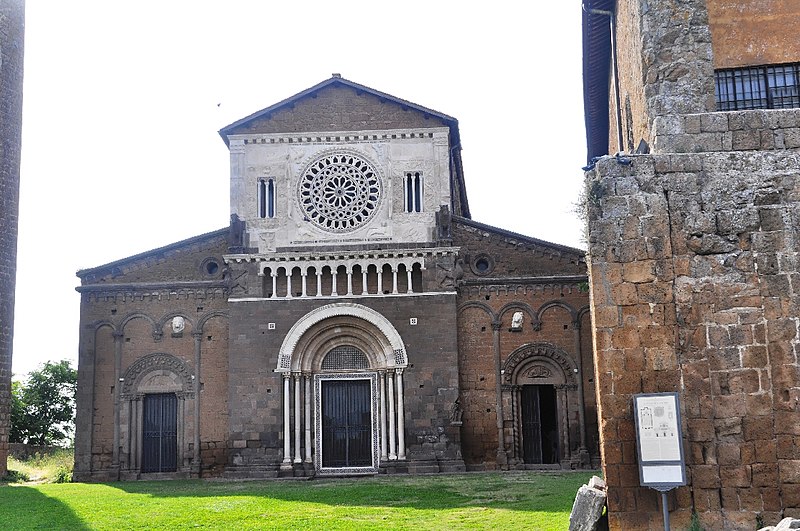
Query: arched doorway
[[539, 382], [342, 368]]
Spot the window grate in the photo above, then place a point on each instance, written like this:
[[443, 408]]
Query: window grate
[[345, 358], [758, 87]]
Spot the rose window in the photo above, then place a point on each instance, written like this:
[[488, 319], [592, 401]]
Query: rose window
[[339, 192]]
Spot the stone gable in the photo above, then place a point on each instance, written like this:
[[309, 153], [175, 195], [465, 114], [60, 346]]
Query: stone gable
[[338, 108]]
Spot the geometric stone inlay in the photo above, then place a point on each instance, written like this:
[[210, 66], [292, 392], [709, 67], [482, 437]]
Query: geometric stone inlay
[[345, 358], [339, 192]]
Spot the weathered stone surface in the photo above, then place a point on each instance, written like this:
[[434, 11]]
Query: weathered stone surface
[[588, 506], [12, 27]]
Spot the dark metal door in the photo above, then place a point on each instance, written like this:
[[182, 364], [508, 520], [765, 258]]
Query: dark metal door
[[531, 425], [539, 424], [160, 433], [346, 423]]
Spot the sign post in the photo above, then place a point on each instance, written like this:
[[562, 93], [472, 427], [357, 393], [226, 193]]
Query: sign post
[[659, 444]]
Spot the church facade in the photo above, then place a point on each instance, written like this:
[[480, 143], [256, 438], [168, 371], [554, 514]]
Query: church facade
[[352, 319]]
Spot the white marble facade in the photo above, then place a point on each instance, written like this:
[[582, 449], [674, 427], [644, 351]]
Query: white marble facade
[[286, 158]]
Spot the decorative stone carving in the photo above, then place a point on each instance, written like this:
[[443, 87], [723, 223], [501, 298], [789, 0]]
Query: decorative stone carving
[[164, 363], [539, 371], [178, 325], [516, 321], [456, 413], [544, 350], [339, 192]]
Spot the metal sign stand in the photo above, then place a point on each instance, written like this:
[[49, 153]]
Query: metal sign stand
[[659, 443]]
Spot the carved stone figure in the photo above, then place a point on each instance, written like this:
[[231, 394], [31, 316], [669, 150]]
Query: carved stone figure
[[236, 235], [443, 220], [456, 413], [516, 321], [178, 324]]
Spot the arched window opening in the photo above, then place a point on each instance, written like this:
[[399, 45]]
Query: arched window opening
[[412, 188], [345, 357], [266, 198]]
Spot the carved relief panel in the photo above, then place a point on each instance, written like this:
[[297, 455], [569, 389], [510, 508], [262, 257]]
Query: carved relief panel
[[339, 188]]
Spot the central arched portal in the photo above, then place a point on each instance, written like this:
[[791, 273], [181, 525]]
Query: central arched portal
[[343, 411]]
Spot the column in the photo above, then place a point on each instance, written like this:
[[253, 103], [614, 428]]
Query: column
[[297, 416], [304, 274], [118, 382], [333, 281], [198, 341], [349, 280], [394, 279], [401, 418], [274, 283], [287, 451], [288, 282], [502, 458], [381, 376], [392, 443], [307, 397], [319, 281], [364, 288], [380, 280], [408, 276], [583, 451]]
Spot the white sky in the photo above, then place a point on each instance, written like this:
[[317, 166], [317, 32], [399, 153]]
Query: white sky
[[123, 101]]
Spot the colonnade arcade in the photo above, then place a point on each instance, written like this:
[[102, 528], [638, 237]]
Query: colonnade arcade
[[343, 395]]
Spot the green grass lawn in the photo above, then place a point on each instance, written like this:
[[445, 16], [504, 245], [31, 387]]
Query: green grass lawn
[[510, 500]]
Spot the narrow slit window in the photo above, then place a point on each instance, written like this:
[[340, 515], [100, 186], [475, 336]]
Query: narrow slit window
[[412, 191], [266, 198], [271, 198]]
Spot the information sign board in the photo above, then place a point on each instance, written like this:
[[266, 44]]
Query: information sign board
[[659, 440]]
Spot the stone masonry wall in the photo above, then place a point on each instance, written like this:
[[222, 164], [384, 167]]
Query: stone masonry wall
[[665, 63], [12, 29], [694, 264]]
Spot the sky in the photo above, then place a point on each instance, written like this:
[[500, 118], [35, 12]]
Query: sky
[[123, 101]]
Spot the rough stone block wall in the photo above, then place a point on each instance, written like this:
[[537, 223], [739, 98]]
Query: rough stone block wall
[[665, 63], [12, 29], [694, 264]]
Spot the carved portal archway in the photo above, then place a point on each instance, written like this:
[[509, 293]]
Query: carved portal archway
[[156, 374], [336, 352], [545, 367]]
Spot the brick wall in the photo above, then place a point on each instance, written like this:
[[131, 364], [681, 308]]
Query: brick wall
[[136, 300], [544, 281], [12, 27], [430, 381], [694, 282]]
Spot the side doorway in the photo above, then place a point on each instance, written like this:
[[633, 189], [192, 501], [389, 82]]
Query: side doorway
[[160, 433], [539, 413]]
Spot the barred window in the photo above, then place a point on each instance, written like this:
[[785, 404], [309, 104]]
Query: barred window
[[345, 358], [758, 87]]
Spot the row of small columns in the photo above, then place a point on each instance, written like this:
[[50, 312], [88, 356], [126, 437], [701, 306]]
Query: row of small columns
[[334, 292], [393, 447]]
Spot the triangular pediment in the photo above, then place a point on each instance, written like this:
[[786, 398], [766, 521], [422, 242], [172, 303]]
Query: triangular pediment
[[337, 104]]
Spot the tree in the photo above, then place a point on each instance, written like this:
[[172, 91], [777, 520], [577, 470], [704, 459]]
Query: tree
[[43, 406]]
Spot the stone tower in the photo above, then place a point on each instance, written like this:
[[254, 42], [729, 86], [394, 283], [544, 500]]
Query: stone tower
[[693, 250], [12, 29]]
